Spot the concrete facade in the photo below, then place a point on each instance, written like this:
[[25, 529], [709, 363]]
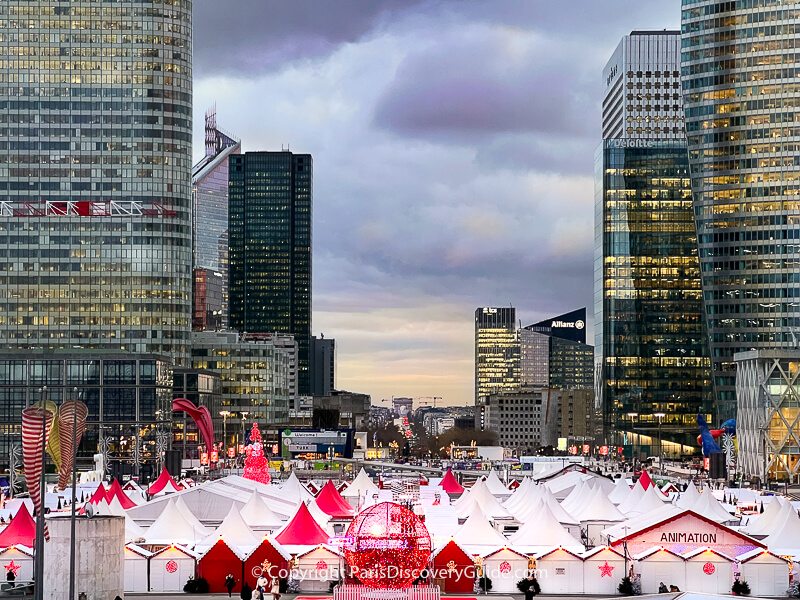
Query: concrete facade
[[99, 558]]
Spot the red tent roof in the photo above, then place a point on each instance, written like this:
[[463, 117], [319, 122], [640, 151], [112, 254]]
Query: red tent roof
[[302, 530], [645, 480], [330, 502], [450, 485], [21, 530], [163, 481], [99, 494], [116, 490]]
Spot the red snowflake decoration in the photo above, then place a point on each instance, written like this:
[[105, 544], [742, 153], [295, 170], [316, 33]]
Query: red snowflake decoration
[[256, 466], [391, 546], [505, 567], [709, 568], [171, 566], [321, 565], [12, 568]]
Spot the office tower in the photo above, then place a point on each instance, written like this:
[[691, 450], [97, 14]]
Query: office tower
[[95, 212], [254, 371], [524, 419], [210, 227], [322, 366], [650, 353], [554, 353], [496, 352], [270, 217], [738, 64], [95, 163]]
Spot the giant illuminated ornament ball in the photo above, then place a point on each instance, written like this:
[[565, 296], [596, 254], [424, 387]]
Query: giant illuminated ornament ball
[[390, 546]]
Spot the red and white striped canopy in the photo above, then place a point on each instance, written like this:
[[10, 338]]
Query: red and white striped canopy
[[71, 415], [32, 449]]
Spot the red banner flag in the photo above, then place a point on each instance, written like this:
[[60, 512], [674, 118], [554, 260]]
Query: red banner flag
[[72, 414]]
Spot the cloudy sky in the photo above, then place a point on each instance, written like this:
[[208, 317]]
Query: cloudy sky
[[453, 146]]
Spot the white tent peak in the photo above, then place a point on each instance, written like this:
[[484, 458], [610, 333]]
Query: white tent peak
[[689, 496], [598, 508], [620, 492], [256, 513], [361, 485], [477, 531], [545, 530], [495, 486], [233, 530]]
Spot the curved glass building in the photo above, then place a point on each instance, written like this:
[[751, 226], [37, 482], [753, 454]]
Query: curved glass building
[[740, 65], [95, 175]]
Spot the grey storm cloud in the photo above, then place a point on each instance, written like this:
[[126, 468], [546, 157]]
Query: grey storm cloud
[[453, 146]]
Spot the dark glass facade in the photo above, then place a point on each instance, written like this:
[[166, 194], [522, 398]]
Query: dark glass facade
[[741, 94], [650, 353], [129, 398], [270, 219], [496, 352]]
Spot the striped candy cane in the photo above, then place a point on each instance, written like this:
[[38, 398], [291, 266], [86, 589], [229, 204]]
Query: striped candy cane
[[32, 454], [72, 414]]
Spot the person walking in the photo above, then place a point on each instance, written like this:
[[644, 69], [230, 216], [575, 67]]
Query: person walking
[[275, 589], [247, 591], [230, 582], [261, 586]]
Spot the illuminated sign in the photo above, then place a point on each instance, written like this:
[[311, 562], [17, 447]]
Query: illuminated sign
[[586, 448], [204, 458], [214, 456], [490, 311], [231, 452], [603, 450], [579, 324], [632, 143]]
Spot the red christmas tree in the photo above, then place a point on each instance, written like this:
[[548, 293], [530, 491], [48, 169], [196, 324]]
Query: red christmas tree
[[256, 466]]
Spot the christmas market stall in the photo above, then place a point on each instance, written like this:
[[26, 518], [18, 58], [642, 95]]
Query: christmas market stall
[[171, 568], [220, 561], [17, 560], [269, 557], [708, 571], [317, 569], [454, 569], [560, 571], [505, 567], [603, 567], [136, 569], [657, 566], [766, 573]]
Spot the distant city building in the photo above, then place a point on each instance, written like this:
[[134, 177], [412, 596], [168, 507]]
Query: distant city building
[[322, 366], [203, 388], [95, 164], [554, 353], [255, 373], [497, 349], [379, 416], [339, 409], [652, 366], [740, 88], [524, 419], [577, 413], [210, 227], [270, 219]]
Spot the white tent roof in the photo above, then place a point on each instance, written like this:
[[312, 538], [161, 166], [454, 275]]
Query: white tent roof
[[189, 516], [521, 501], [763, 523], [293, 490], [361, 485], [482, 498], [544, 530], [257, 514], [598, 508], [464, 500], [620, 530], [477, 534], [496, 486], [652, 500], [636, 494], [172, 527], [563, 484], [621, 491], [689, 496], [710, 508], [559, 511], [578, 495], [785, 539], [774, 525], [234, 531]]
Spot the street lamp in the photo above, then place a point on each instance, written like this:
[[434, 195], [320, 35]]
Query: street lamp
[[660, 416], [224, 414], [244, 414], [633, 415]]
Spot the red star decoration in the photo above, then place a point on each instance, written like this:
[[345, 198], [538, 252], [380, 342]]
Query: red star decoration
[[12, 567], [605, 569]]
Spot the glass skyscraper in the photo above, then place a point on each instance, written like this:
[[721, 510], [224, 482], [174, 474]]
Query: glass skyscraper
[[210, 227], [652, 368], [95, 164], [270, 225], [496, 352], [739, 69]]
